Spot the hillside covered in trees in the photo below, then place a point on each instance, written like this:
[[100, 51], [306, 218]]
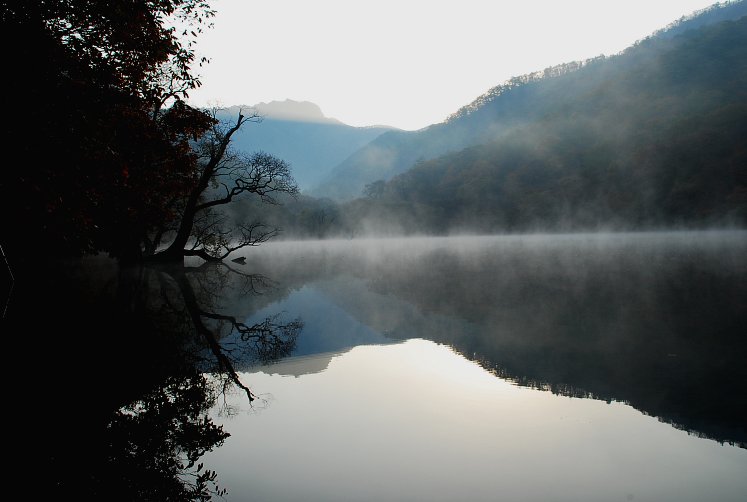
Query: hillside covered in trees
[[529, 99], [655, 136]]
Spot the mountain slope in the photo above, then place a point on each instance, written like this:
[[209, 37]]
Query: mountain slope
[[516, 103], [395, 151], [655, 136], [300, 134]]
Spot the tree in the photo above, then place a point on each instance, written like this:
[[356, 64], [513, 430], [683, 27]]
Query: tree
[[113, 158], [95, 111], [375, 189], [222, 176]]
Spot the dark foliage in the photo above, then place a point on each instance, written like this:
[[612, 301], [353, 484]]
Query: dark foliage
[[95, 156]]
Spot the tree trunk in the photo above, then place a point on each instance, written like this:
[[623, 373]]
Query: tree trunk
[[175, 251]]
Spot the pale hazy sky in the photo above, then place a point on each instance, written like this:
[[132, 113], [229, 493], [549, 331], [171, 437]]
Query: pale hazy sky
[[406, 63]]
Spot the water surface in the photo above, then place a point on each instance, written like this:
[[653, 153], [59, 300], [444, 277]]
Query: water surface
[[565, 367]]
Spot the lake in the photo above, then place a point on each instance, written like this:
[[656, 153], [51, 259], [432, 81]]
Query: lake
[[524, 367]]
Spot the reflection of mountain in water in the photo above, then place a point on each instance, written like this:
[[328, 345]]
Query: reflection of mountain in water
[[328, 330], [299, 365], [654, 320]]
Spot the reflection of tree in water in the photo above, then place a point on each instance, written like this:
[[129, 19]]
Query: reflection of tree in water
[[159, 368], [154, 444], [172, 420], [261, 342]]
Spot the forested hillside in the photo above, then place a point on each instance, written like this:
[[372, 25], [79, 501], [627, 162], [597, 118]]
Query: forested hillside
[[655, 136], [595, 89]]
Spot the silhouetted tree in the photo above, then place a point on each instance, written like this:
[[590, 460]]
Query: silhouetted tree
[[222, 176]]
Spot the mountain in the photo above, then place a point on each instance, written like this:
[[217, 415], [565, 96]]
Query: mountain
[[293, 111], [655, 136], [522, 101], [299, 133]]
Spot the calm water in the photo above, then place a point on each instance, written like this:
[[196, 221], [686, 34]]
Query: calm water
[[535, 368], [585, 367]]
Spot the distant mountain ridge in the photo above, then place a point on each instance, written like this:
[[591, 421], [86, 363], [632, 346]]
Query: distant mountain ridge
[[299, 133], [293, 111], [504, 108]]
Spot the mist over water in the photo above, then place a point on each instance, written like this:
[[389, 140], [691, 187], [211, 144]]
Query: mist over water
[[534, 367], [464, 355]]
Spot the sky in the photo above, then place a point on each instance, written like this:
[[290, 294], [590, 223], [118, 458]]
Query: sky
[[406, 63]]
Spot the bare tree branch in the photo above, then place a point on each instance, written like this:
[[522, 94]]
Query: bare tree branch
[[202, 232], [259, 173]]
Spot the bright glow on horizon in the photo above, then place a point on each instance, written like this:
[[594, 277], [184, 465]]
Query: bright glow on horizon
[[406, 63]]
